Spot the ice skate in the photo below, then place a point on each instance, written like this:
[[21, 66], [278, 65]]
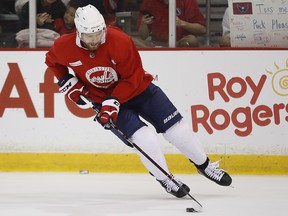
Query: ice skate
[[174, 189], [215, 174]]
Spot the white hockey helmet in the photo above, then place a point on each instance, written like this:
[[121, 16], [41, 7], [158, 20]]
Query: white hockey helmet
[[89, 20]]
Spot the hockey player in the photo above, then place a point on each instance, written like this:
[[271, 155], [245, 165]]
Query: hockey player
[[108, 71]]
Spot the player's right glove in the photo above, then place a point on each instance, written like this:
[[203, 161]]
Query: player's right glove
[[73, 88], [109, 112]]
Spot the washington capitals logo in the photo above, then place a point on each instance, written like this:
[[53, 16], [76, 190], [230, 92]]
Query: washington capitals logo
[[102, 77], [242, 8]]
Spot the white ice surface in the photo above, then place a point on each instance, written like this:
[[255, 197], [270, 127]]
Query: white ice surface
[[74, 194]]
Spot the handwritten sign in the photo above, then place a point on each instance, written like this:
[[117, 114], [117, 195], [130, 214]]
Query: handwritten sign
[[258, 23]]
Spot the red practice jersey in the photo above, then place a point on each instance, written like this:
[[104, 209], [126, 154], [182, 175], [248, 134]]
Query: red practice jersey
[[114, 69], [187, 10]]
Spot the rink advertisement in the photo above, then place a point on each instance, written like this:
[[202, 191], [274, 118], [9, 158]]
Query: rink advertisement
[[232, 97], [235, 101]]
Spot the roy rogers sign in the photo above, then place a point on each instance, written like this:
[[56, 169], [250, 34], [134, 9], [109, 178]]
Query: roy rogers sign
[[242, 118]]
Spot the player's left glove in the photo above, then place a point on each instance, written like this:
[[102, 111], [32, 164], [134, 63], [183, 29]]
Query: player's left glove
[[109, 112]]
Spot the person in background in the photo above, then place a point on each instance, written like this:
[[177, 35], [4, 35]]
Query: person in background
[[108, 71], [225, 40], [46, 12], [66, 24], [111, 7], [153, 20]]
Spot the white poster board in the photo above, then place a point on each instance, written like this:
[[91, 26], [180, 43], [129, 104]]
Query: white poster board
[[258, 23]]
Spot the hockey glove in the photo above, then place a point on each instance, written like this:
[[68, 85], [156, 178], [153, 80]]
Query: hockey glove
[[109, 112], [73, 88]]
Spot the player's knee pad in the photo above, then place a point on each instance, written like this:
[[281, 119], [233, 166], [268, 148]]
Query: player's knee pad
[[147, 140], [179, 134]]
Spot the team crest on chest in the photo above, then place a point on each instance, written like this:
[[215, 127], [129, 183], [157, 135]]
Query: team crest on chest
[[102, 77]]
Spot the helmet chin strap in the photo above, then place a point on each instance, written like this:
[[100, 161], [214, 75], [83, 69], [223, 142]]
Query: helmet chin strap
[[103, 37]]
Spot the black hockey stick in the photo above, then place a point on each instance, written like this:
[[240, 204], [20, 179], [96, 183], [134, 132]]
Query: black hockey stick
[[130, 143], [170, 176]]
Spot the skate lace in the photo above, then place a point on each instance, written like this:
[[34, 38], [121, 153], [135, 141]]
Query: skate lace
[[213, 172], [170, 185]]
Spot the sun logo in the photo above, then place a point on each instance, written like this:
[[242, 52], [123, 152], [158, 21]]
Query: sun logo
[[280, 80]]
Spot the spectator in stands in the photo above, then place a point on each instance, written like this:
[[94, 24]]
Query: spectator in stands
[[46, 12], [66, 24], [154, 21], [111, 7], [225, 40]]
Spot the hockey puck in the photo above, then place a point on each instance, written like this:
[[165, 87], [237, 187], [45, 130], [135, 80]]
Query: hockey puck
[[84, 171], [190, 210]]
